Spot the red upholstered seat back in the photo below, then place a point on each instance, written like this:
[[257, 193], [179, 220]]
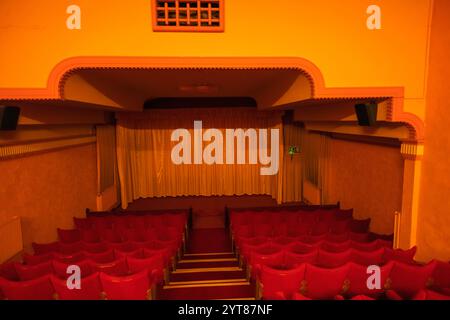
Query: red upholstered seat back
[[36, 289], [91, 288], [118, 267], [335, 247], [286, 281], [60, 268], [43, 248], [69, 236], [101, 257], [332, 259], [322, 283], [406, 256], [441, 276], [134, 287], [367, 258], [33, 272], [358, 277], [407, 280], [29, 259], [155, 262], [299, 258], [90, 235]]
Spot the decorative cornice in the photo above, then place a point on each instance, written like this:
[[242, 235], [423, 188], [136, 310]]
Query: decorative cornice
[[63, 70], [412, 151], [10, 151]]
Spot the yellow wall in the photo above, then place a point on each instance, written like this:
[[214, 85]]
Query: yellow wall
[[46, 190], [433, 234], [330, 33], [367, 178]]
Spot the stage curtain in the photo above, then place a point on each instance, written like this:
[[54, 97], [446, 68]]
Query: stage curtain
[[316, 151], [146, 169], [106, 156], [292, 168]]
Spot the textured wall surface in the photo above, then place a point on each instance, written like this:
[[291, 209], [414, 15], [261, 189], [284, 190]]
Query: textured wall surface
[[433, 230], [46, 190], [368, 178]]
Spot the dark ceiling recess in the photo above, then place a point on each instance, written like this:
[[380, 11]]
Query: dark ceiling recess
[[200, 102]]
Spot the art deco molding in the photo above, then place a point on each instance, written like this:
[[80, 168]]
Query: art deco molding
[[10, 151], [63, 70], [412, 151]]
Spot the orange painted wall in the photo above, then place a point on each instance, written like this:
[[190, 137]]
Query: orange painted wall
[[433, 233], [330, 33], [46, 190], [368, 178]]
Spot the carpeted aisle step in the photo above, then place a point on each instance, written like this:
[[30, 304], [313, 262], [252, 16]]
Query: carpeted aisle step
[[207, 263], [206, 291], [199, 256], [207, 274]]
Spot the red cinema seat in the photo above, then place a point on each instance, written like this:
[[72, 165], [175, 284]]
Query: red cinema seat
[[335, 246], [324, 284], [360, 226], [173, 246], [33, 272], [358, 278], [134, 287], [109, 235], [262, 230], [441, 277], [359, 237], [70, 258], [320, 228], [309, 218], [101, 223], [254, 241], [406, 280], [91, 288], [430, 295], [326, 215], [341, 226], [82, 223], [8, 271], [278, 284], [337, 238], [118, 267], [121, 222], [280, 230], [102, 257], [362, 297], [291, 218], [94, 247], [299, 229], [69, 236], [406, 256], [128, 246], [36, 289], [292, 259], [364, 246], [257, 260], [43, 248], [154, 265], [31, 260], [138, 253], [133, 235], [60, 268], [301, 248], [313, 239], [164, 252], [90, 235], [344, 214], [384, 243], [284, 241], [263, 249], [70, 248], [367, 258], [327, 259]]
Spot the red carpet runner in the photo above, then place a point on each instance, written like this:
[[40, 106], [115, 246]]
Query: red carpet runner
[[208, 270]]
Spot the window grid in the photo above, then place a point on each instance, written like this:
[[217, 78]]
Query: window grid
[[188, 15]]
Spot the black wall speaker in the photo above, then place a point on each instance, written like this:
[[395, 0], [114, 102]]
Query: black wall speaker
[[9, 117], [366, 113]]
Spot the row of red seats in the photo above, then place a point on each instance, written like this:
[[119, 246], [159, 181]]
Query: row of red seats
[[77, 247], [120, 234], [275, 256], [250, 217], [398, 281], [298, 229], [96, 286], [178, 220]]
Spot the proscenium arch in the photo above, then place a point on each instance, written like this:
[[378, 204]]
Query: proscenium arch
[[63, 70]]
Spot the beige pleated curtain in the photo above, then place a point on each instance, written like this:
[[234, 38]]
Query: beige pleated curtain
[[144, 156], [106, 156]]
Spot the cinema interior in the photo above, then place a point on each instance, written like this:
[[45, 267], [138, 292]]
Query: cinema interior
[[225, 150]]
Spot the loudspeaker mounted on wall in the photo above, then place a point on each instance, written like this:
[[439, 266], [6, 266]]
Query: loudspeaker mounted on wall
[[366, 113], [9, 117]]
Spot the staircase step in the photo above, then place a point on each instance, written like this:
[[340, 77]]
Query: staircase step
[[209, 275], [218, 255], [193, 282], [207, 263], [208, 291]]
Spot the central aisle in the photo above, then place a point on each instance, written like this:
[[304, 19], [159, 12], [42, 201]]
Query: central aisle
[[208, 270]]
